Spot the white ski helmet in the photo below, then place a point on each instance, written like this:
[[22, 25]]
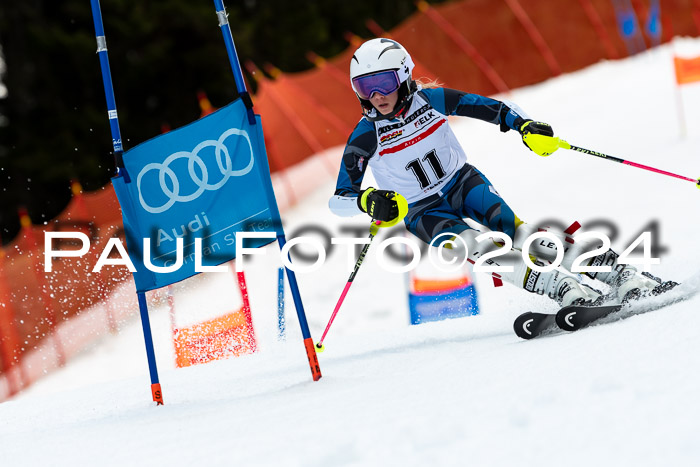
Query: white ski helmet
[[381, 65]]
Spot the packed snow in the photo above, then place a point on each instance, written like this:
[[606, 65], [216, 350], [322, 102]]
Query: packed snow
[[457, 392]]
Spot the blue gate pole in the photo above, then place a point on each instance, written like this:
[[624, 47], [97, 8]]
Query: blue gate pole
[[233, 59], [150, 353], [281, 325], [109, 90], [118, 150], [306, 334], [243, 92], [653, 23]]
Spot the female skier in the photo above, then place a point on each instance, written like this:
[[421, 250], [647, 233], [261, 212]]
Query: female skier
[[404, 136]]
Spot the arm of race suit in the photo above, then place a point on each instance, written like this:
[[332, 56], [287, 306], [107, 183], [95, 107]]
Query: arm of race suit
[[360, 147]]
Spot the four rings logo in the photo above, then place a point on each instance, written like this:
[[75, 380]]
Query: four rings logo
[[201, 180]]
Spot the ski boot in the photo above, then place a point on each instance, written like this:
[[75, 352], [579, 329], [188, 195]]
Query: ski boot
[[625, 281], [568, 290], [629, 284]]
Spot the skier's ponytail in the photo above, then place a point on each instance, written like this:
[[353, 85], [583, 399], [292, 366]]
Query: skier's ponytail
[[427, 83]]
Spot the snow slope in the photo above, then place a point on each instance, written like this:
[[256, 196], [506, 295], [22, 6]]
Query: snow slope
[[457, 392]]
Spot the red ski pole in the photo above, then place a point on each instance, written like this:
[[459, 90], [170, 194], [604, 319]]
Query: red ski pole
[[373, 229], [565, 145]]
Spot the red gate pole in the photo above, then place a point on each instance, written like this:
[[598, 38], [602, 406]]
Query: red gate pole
[[246, 308]]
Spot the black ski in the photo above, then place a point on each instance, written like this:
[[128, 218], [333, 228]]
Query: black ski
[[530, 325], [574, 317], [570, 318]]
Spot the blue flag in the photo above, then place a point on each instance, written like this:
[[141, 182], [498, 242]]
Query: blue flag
[[207, 180], [653, 23]]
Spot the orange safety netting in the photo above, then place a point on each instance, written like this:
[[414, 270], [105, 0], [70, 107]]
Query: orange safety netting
[[472, 45], [36, 303], [480, 46]]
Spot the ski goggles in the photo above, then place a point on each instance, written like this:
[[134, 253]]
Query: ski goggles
[[383, 82]]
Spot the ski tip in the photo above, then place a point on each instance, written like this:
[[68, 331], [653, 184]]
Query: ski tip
[[523, 326], [575, 317], [530, 325], [566, 319]]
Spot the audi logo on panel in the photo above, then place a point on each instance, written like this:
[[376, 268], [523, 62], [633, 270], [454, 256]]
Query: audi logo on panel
[[201, 180]]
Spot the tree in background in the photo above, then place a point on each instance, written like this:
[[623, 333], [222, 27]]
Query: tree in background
[[53, 123]]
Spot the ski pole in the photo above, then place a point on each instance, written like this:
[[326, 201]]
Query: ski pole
[[565, 145], [373, 229]]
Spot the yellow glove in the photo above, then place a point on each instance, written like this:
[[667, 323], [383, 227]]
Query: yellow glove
[[382, 205], [539, 137]]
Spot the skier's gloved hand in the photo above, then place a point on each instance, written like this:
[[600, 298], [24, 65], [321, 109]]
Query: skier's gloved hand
[[539, 137], [381, 205]]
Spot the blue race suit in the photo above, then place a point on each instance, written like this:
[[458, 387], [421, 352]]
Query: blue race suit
[[417, 155]]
